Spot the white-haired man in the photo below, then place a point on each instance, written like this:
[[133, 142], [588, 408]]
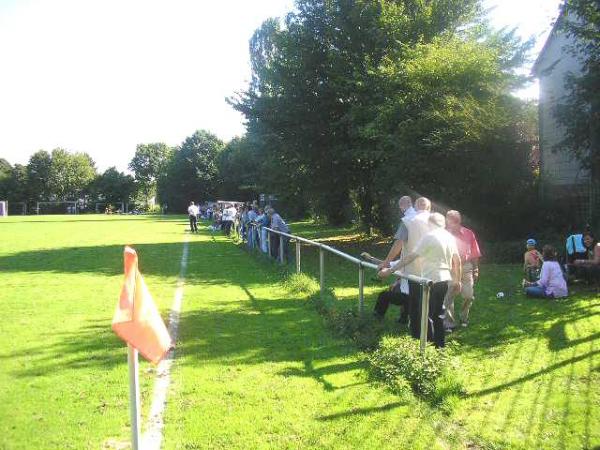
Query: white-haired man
[[411, 231], [437, 256], [469, 252]]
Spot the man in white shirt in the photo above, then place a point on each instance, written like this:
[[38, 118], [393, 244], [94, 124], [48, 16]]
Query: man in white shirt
[[193, 215], [436, 257], [229, 214]]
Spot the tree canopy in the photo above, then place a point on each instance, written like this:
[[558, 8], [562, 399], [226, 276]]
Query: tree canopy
[[354, 103]]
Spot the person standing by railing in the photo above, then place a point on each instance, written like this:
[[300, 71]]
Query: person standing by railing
[[250, 231], [262, 220], [278, 224], [469, 252], [437, 255]]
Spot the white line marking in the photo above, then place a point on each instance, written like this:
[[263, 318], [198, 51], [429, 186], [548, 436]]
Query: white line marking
[[152, 438]]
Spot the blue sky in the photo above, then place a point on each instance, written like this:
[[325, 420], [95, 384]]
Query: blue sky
[[101, 76]]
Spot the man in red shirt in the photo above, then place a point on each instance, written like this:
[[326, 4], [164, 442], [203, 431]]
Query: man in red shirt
[[469, 252]]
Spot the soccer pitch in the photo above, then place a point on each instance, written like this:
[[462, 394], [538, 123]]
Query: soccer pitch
[[256, 366]]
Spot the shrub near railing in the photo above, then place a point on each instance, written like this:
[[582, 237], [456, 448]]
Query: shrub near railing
[[395, 361], [399, 364]]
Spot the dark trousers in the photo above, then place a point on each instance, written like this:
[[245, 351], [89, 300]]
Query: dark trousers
[[414, 308], [227, 227], [275, 240], [590, 274], [435, 321], [193, 223], [395, 297]]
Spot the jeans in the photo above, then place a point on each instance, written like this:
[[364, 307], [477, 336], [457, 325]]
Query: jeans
[[536, 292], [275, 241]]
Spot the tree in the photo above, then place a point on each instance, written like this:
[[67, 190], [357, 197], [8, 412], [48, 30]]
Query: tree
[[5, 176], [17, 184], [192, 172], [355, 102], [70, 174], [113, 186], [148, 164], [239, 167], [38, 175]]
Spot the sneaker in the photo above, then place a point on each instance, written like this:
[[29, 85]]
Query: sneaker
[[449, 330], [464, 324]]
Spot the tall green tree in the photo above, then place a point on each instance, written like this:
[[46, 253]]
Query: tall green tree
[[192, 172], [70, 174], [148, 164], [113, 186], [38, 175], [5, 176], [355, 102], [239, 166]]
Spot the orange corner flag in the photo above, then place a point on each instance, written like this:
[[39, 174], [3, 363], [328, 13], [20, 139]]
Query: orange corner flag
[[137, 320]]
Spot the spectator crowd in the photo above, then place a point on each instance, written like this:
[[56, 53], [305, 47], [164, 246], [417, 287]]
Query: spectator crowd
[[427, 245]]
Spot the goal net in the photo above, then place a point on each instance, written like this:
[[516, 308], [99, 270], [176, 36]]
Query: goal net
[[66, 207], [17, 208]]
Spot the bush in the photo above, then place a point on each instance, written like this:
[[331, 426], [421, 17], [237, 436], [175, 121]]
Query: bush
[[398, 363], [365, 331]]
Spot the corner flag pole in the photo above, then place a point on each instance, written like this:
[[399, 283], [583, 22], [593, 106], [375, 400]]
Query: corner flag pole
[[134, 396]]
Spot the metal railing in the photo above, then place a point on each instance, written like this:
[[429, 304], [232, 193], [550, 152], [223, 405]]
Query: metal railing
[[425, 283]]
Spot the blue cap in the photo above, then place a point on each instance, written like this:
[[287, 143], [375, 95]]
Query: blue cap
[[531, 242]]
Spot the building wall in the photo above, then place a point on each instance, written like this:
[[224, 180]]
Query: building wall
[[557, 168]]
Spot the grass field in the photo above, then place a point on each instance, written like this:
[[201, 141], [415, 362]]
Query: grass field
[[256, 367]]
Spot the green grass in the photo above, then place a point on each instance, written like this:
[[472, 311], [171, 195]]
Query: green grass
[[256, 367]]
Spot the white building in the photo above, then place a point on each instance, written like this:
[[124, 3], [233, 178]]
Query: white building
[[561, 174]]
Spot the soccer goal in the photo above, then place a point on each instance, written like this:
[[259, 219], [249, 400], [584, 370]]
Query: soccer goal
[[17, 208], [3, 208], [66, 207]]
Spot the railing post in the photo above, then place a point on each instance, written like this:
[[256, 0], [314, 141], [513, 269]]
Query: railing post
[[322, 270], [298, 267], [361, 289], [424, 315], [281, 249], [269, 243]]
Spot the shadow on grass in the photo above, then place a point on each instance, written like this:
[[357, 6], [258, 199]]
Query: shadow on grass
[[91, 346], [361, 411]]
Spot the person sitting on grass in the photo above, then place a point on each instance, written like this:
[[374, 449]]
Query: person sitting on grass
[[552, 282], [588, 269], [532, 261]]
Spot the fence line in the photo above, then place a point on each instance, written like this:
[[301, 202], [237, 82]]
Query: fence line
[[254, 231]]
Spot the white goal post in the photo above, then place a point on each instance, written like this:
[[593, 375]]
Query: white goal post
[[64, 207], [3, 208]]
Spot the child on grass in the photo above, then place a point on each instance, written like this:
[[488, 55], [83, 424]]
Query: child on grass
[[533, 261], [552, 283]]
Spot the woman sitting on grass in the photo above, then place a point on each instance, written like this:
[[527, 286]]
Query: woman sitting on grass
[[552, 283]]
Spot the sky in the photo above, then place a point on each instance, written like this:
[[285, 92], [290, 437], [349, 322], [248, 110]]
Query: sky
[[101, 76]]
